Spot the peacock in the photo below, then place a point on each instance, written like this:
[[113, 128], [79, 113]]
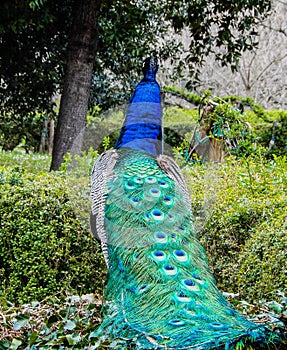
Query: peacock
[[160, 292]]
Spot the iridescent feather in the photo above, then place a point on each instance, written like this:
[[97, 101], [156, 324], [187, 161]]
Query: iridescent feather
[[160, 291]]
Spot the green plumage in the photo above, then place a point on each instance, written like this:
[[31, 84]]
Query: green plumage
[[160, 291]]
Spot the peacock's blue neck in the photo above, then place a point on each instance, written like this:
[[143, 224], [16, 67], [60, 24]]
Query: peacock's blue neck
[[142, 128]]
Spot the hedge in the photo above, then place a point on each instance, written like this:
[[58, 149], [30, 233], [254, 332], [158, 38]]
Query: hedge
[[240, 212], [44, 248]]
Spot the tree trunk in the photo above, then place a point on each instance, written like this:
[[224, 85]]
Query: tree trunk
[[74, 101], [43, 136], [51, 136]]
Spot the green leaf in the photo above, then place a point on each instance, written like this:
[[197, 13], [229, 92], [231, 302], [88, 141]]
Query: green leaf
[[20, 322], [4, 344], [276, 307], [33, 338], [15, 344], [70, 325], [73, 339], [94, 334]]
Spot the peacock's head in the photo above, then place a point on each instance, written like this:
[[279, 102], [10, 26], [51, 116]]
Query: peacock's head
[[150, 64]]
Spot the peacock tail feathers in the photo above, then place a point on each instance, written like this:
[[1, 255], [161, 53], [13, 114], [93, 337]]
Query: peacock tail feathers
[[160, 292]]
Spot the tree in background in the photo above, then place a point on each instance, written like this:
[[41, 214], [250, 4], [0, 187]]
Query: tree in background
[[81, 53], [261, 72], [126, 32], [32, 47]]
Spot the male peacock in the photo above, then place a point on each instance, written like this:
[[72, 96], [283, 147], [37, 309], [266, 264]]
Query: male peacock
[[160, 292]]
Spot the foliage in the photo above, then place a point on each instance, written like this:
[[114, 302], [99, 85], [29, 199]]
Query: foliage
[[241, 124], [31, 41], [227, 123], [240, 214], [34, 39], [16, 130], [223, 28], [184, 94], [34, 36], [44, 247], [277, 136], [32, 163], [54, 322], [70, 323], [262, 260], [197, 100], [241, 223]]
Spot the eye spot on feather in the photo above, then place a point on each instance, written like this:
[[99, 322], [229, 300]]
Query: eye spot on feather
[[138, 180], [222, 333], [163, 184], [176, 323], [173, 237], [170, 217], [180, 255], [129, 186], [142, 288], [150, 180], [135, 200], [161, 237], [217, 325], [157, 215], [136, 255], [197, 278], [154, 192], [190, 285], [170, 270], [109, 188], [159, 255], [167, 200], [182, 297]]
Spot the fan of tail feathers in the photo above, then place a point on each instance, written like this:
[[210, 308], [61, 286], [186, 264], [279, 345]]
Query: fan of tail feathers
[[160, 293]]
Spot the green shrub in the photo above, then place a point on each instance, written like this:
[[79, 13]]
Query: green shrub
[[272, 127], [262, 262], [240, 211], [278, 134], [31, 162], [44, 248]]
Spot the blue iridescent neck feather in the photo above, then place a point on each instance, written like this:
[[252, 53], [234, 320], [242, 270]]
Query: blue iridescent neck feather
[[142, 128]]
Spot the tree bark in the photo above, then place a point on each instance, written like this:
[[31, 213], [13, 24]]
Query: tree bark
[[51, 136], [43, 136], [75, 97]]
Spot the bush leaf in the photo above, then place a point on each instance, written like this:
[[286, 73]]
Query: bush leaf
[[70, 325], [20, 321]]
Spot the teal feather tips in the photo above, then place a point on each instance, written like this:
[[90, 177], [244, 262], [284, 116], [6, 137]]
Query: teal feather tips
[[160, 291]]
